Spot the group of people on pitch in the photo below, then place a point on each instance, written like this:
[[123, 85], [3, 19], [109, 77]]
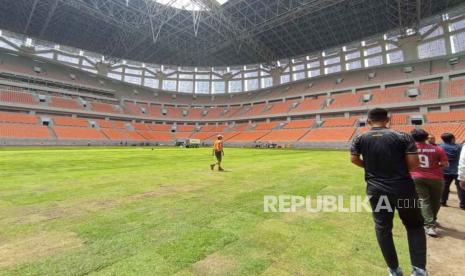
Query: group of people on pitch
[[413, 175]]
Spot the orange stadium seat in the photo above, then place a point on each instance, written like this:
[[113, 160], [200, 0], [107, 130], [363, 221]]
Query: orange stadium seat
[[267, 126], [455, 88], [452, 116], [399, 119], [280, 107], [185, 128], [78, 133], [336, 134], [134, 109], [339, 122], [300, 124], [159, 127], [24, 131], [21, 118], [248, 136], [104, 107], [70, 121], [308, 104], [345, 100], [122, 135], [156, 136], [17, 97], [64, 103], [284, 135]]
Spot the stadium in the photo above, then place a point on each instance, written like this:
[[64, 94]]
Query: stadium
[[109, 110]]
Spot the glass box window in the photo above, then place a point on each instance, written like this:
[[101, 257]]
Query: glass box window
[[267, 82], [353, 65], [313, 64], [333, 69], [133, 71], [169, 85], [251, 84], [298, 67], [458, 42], [373, 50], [332, 60], [373, 61], [69, 59], [44, 55], [455, 26], [314, 73], [285, 78], [432, 49], [353, 55], [202, 87], [152, 83], [132, 79], [186, 76], [112, 75], [251, 75], [202, 77], [235, 86], [219, 87], [186, 86], [299, 76], [395, 57]]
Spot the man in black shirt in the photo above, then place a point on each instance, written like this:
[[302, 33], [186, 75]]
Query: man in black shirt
[[387, 157]]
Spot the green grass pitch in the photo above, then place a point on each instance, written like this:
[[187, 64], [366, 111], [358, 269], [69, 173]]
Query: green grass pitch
[[138, 211]]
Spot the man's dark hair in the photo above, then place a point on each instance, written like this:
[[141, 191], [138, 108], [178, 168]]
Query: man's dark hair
[[419, 135], [378, 115], [447, 138]]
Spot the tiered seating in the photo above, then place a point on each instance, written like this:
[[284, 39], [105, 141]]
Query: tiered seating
[[64, 103], [280, 107], [389, 95], [133, 109], [308, 104], [214, 128], [339, 122], [104, 107], [69, 121], [233, 111], [345, 100], [399, 119], [159, 127], [438, 129], [78, 133], [452, 116], [403, 128], [284, 135], [226, 136], [173, 112], [255, 110], [248, 136], [20, 118], [429, 90], [335, 134], [122, 135], [267, 126], [17, 97], [24, 131], [183, 135], [141, 126], [203, 135], [240, 127], [300, 124], [455, 88], [185, 128], [111, 124], [214, 113], [156, 136], [195, 113], [155, 111]]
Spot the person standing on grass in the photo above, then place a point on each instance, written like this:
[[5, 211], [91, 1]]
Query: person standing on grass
[[218, 153], [428, 178], [387, 156], [451, 172]]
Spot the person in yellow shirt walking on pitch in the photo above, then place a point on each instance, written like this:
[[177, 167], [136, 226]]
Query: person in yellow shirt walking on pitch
[[218, 153]]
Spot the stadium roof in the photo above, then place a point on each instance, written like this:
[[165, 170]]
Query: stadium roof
[[211, 32]]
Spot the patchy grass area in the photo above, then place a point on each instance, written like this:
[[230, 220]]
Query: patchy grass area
[[137, 211]]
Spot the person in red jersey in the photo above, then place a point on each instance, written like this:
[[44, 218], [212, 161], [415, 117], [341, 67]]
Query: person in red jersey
[[428, 178]]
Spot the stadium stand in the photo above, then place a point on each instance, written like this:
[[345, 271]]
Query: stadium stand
[[24, 131], [336, 134], [69, 121], [17, 97], [64, 103], [339, 122], [78, 133], [284, 135], [308, 123], [20, 118]]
